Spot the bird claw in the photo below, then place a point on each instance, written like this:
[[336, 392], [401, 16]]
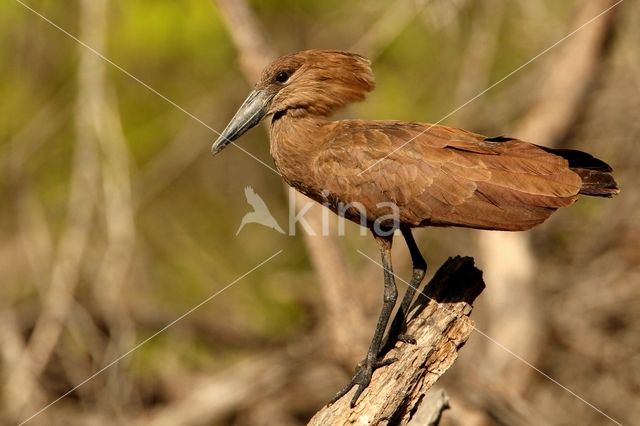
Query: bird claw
[[383, 362], [407, 338], [390, 341], [362, 378]]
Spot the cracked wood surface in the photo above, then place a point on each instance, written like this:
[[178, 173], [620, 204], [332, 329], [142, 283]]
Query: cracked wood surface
[[439, 320]]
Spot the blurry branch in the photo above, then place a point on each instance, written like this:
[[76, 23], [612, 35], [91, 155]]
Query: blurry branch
[[431, 409], [66, 269], [539, 11], [254, 52], [571, 70], [439, 320], [393, 20], [210, 400], [479, 54], [325, 253], [12, 344], [34, 233], [398, 16], [29, 139], [120, 229], [443, 14], [34, 237], [228, 333], [507, 406], [12, 352], [170, 163]]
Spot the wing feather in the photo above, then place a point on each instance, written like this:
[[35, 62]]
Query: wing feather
[[443, 176]]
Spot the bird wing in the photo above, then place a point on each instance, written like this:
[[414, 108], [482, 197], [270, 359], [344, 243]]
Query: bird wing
[[438, 175]]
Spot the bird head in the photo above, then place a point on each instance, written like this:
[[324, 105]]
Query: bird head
[[311, 82]]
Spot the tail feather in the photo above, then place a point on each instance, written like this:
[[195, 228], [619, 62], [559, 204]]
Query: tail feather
[[596, 183], [596, 175]]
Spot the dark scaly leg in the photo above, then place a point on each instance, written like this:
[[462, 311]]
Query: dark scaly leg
[[399, 324], [365, 369]]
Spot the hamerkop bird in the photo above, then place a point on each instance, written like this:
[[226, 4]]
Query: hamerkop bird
[[390, 175]]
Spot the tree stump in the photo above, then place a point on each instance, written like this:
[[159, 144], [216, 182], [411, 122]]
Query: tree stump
[[439, 321]]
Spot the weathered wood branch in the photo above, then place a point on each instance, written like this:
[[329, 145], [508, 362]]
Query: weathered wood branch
[[439, 321]]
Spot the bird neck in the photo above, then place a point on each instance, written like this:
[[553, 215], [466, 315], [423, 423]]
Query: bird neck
[[295, 137]]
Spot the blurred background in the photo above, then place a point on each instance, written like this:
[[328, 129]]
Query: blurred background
[[115, 220]]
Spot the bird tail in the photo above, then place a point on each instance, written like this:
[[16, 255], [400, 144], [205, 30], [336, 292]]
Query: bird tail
[[597, 180]]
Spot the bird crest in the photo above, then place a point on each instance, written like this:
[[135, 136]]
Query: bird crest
[[260, 214]]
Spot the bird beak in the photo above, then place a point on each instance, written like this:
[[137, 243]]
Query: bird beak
[[252, 110]]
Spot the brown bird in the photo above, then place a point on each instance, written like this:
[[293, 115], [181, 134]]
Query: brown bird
[[390, 175]]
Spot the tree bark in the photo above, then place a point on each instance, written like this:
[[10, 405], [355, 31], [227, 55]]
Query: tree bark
[[440, 323]]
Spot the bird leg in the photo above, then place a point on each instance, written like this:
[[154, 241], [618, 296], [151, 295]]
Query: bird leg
[[399, 324], [364, 370]]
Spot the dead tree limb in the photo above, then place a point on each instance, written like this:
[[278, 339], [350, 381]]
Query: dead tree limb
[[440, 323]]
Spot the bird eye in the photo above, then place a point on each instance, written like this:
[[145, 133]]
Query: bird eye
[[282, 77]]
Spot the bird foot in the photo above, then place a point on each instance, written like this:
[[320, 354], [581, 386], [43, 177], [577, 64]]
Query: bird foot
[[407, 338], [390, 342], [362, 378]]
